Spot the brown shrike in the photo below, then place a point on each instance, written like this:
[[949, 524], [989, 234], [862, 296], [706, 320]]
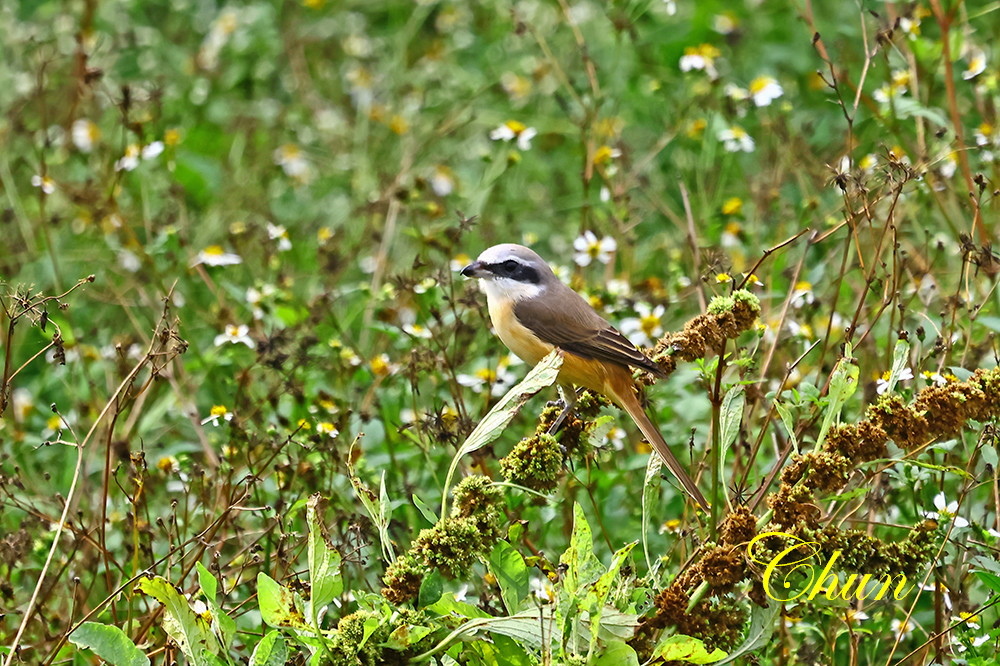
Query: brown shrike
[[534, 312]]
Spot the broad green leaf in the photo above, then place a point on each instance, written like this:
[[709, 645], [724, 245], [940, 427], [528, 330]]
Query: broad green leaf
[[843, 384], [616, 653], [431, 589], [188, 629], [990, 580], [542, 375], [369, 627], [686, 648], [582, 566], [598, 594], [277, 604], [731, 416], [425, 511], [406, 635], [109, 643], [448, 605], [270, 651], [223, 625], [325, 582], [650, 497], [900, 362], [599, 430], [508, 567], [786, 420]]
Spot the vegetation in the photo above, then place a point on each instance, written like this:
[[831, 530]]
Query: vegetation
[[251, 413]]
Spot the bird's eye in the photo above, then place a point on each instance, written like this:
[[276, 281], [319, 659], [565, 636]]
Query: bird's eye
[[509, 266]]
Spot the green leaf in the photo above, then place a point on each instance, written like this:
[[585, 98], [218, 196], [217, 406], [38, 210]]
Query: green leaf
[[270, 651], [582, 566], [542, 375], [616, 653], [431, 589], [650, 486], [843, 384], [599, 430], [990, 580], [277, 604], [425, 511], [406, 635], [188, 629], [109, 643], [511, 573], [786, 420], [686, 648], [325, 582], [223, 625], [598, 594], [369, 627], [731, 416]]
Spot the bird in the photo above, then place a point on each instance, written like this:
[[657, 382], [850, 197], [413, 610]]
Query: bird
[[534, 312]]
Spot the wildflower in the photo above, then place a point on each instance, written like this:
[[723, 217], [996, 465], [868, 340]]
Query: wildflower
[[214, 255], [589, 248], [442, 181], [868, 162], [732, 206], [971, 620], [645, 328], [901, 628], [513, 130], [151, 150], [46, 184], [424, 285], [937, 378], [618, 288], [200, 608], [725, 23], [723, 278], [616, 438], [236, 335], [84, 134], [695, 128], [381, 366], [882, 385], [130, 160], [946, 511], [216, 414], [417, 331], [327, 428], [949, 163], [980, 640], [764, 90], [736, 93], [542, 589], [21, 403], [168, 464], [898, 85], [517, 87], [458, 262], [731, 235], [986, 134], [129, 260], [976, 60], [671, 525], [670, 6], [910, 26], [499, 380], [701, 57], [855, 616], [280, 234], [293, 162], [800, 330], [172, 137], [605, 154], [735, 139], [802, 294]]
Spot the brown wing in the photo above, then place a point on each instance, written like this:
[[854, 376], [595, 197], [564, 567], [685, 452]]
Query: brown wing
[[575, 327]]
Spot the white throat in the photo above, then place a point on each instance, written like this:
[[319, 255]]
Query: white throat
[[502, 288]]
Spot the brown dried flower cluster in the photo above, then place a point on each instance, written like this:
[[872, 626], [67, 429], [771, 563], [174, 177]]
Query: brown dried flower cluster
[[726, 318]]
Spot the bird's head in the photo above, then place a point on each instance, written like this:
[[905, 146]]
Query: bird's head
[[510, 270]]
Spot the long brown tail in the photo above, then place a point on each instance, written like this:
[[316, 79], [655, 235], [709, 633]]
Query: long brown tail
[[630, 403]]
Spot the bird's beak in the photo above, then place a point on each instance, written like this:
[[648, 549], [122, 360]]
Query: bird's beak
[[474, 270]]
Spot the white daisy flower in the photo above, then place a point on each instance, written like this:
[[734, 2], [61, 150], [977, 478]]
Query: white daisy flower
[[235, 335], [588, 248]]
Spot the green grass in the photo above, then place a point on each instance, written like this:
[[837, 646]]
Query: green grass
[[343, 151]]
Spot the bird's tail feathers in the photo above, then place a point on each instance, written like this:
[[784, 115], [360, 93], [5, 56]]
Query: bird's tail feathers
[[652, 434]]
